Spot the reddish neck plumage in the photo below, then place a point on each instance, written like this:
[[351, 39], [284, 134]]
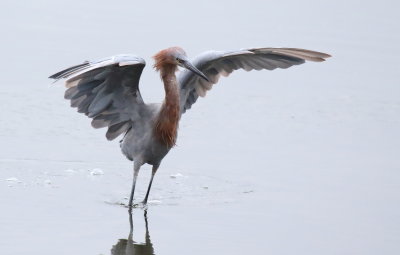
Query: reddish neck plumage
[[166, 127]]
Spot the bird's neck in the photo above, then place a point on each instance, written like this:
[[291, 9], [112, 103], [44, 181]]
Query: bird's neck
[[166, 128]]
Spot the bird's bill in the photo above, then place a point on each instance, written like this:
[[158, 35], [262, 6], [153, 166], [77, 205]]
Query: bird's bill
[[192, 68]]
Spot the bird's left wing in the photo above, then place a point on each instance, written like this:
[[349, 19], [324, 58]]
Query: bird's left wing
[[107, 91], [216, 63]]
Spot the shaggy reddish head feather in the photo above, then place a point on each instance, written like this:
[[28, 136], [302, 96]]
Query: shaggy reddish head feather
[[167, 57]]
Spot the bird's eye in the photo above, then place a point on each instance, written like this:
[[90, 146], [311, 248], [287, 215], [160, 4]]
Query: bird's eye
[[179, 60]]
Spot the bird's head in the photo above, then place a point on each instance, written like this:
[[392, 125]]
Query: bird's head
[[173, 57]]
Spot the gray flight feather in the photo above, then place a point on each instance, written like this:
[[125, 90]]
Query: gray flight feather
[[216, 63], [107, 91]]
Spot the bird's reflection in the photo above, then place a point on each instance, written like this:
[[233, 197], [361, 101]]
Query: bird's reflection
[[129, 246]]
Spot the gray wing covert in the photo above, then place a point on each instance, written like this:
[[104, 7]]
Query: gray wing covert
[[106, 91], [216, 63]]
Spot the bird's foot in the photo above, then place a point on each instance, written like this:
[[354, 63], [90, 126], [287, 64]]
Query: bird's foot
[[140, 205], [143, 205]]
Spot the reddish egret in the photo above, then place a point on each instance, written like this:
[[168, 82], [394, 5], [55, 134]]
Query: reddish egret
[[108, 92]]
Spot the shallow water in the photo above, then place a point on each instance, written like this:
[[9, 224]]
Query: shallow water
[[296, 161]]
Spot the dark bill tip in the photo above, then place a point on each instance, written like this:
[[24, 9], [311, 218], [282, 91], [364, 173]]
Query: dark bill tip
[[192, 68]]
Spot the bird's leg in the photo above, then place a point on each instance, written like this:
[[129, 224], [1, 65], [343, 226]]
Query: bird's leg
[[153, 172], [130, 237], [136, 167], [148, 241]]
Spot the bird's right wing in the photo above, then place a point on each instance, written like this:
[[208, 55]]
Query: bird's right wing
[[107, 91], [216, 63]]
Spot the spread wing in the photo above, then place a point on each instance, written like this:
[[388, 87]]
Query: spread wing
[[216, 63], [106, 91]]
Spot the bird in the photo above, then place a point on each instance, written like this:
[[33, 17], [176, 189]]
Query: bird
[[107, 91]]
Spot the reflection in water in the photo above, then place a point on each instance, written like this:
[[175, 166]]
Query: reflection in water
[[129, 246]]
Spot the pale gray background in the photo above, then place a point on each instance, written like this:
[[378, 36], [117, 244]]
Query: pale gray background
[[297, 161]]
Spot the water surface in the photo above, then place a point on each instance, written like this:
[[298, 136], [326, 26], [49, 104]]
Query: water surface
[[296, 161]]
